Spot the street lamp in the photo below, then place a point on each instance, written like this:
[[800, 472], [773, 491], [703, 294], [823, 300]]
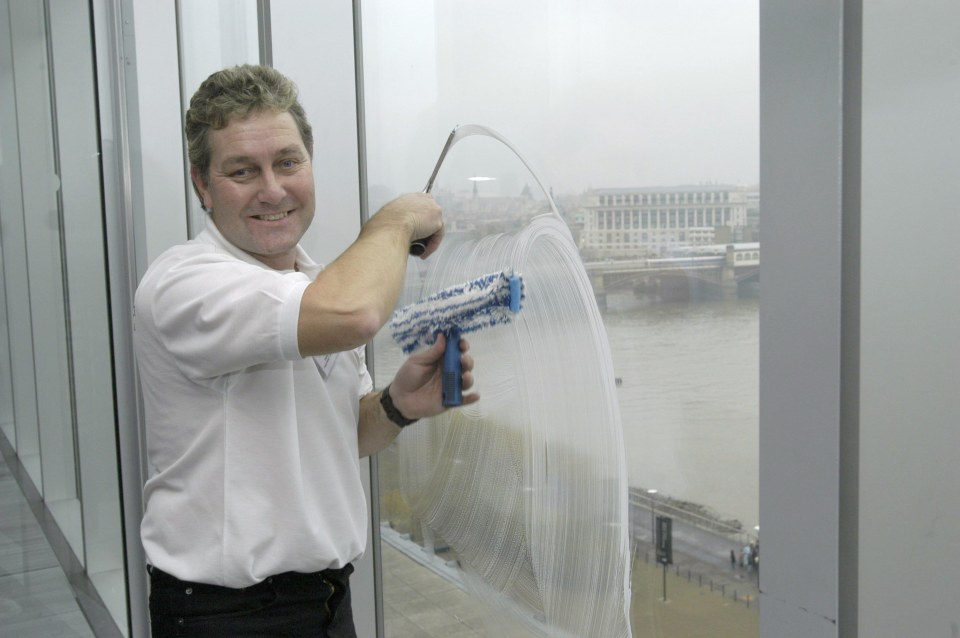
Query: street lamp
[[653, 516], [475, 179], [756, 528]]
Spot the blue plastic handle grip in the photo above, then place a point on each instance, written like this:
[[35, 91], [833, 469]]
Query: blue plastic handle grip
[[452, 390], [516, 291]]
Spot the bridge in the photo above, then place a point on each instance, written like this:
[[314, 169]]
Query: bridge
[[698, 271]]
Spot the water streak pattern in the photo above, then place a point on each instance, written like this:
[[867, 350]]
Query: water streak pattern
[[528, 486]]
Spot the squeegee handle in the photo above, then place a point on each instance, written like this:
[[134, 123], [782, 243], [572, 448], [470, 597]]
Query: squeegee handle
[[452, 391], [419, 246]]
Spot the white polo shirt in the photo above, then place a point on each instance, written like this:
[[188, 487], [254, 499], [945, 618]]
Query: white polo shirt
[[253, 449]]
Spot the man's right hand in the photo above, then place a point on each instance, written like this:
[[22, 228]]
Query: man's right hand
[[424, 216]]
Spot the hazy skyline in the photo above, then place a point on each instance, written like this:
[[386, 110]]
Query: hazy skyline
[[594, 93]]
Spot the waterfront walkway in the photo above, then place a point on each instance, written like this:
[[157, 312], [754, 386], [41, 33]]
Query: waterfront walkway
[[706, 596], [702, 553]]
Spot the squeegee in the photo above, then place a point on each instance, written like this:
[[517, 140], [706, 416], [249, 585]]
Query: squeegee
[[483, 302]]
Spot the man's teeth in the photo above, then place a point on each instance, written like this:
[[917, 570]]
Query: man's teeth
[[272, 217]]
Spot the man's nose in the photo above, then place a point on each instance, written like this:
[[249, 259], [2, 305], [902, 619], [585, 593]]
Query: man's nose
[[271, 188]]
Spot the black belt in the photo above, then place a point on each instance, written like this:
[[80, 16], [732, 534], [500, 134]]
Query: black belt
[[340, 575]]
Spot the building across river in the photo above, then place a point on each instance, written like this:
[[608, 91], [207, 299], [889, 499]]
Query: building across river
[[654, 221]]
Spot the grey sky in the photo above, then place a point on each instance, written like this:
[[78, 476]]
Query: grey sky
[[593, 92]]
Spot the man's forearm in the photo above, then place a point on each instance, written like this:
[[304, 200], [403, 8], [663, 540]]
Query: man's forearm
[[351, 299]]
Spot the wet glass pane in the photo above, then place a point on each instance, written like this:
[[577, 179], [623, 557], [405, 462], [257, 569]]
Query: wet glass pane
[[641, 119]]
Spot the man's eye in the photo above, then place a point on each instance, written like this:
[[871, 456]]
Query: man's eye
[[240, 173], [288, 164]]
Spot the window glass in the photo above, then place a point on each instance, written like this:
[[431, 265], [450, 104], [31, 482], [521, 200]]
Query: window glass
[[610, 102], [57, 319]]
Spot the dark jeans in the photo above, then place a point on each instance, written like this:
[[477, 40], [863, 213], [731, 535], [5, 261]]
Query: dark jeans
[[289, 604]]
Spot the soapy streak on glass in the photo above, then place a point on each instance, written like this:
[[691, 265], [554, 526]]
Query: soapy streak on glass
[[528, 486]]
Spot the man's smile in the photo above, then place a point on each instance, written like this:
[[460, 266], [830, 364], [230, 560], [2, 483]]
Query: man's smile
[[272, 217]]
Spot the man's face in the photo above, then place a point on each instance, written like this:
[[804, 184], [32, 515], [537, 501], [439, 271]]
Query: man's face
[[260, 186]]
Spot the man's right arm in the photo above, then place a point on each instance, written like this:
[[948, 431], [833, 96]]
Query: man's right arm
[[353, 297]]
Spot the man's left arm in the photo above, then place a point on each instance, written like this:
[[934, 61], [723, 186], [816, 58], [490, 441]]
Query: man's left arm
[[415, 392]]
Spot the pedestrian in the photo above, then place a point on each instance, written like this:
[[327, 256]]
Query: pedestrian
[[257, 400]]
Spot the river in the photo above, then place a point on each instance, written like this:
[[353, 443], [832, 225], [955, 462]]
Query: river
[[689, 399]]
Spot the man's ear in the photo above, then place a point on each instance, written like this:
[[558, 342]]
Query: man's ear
[[200, 187]]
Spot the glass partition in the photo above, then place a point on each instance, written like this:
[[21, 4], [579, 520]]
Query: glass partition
[[31, 244], [16, 314], [57, 317], [88, 320], [6, 382], [642, 121]]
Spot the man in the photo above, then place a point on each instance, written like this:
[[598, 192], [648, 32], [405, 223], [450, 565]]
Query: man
[[257, 401]]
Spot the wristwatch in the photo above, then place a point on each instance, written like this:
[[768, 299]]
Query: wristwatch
[[391, 410]]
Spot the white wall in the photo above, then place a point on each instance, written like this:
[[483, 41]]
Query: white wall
[[213, 35], [313, 45], [800, 316], [910, 308], [155, 129], [860, 513]]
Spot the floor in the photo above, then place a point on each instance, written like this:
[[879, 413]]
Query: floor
[[36, 598]]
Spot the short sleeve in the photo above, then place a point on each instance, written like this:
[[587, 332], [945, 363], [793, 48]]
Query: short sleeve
[[217, 315]]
